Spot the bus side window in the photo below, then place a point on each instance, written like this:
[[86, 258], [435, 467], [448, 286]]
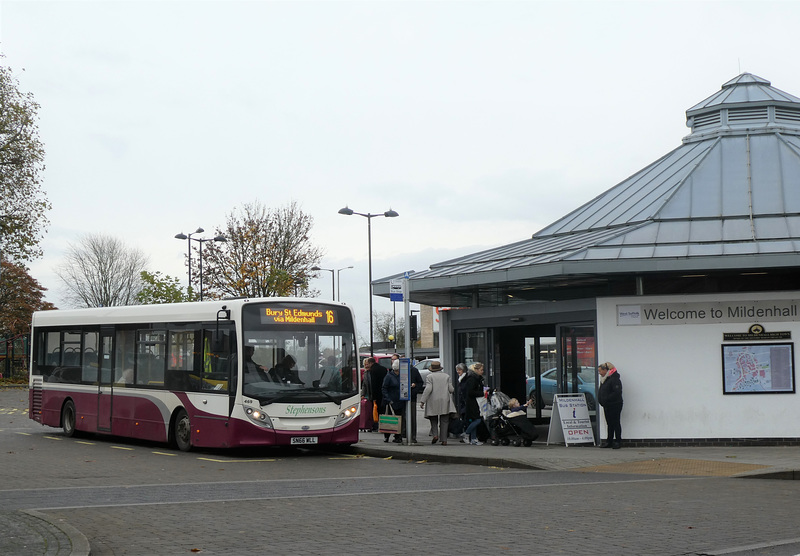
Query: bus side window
[[181, 372], [89, 357], [151, 361], [123, 357], [215, 364], [48, 353]]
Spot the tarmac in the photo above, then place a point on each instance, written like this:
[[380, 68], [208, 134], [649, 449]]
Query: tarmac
[[27, 533]]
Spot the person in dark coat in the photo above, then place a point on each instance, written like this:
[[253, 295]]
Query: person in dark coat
[[461, 398], [391, 397], [417, 387], [473, 389], [610, 397], [372, 386]]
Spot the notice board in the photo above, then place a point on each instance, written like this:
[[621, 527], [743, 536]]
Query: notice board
[[570, 422]]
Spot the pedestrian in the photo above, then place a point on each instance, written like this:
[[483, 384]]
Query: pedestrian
[[391, 399], [416, 388], [437, 401], [610, 397], [461, 374], [372, 387], [473, 389], [458, 421]]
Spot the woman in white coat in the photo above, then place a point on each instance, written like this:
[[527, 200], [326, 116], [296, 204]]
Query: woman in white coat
[[437, 401]]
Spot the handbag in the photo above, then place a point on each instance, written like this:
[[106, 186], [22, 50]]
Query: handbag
[[484, 407], [390, 423]]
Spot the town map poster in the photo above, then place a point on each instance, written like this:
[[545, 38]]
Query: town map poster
[[758, 368]]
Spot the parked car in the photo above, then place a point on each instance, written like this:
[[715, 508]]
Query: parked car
[[424, 367], [549, 381]]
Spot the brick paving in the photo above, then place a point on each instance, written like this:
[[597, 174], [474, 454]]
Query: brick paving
[[390, 499]]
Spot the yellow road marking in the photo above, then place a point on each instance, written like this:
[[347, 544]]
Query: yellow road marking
[[164, 454], [121, 448], [54, 438], [84, 442]]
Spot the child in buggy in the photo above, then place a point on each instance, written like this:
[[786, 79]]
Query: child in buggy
[[508, 424]]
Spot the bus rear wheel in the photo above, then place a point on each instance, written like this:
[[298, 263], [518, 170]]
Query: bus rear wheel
[[182, 431], [68, 418]]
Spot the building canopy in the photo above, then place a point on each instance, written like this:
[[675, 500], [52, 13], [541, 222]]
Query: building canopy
[[721, 212]]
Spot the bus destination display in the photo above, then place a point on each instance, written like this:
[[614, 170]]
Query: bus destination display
[[288, 315]]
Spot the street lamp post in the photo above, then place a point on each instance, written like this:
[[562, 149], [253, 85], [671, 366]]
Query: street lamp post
[[347, 211], [333, 286], [339, 281], [201, 240]]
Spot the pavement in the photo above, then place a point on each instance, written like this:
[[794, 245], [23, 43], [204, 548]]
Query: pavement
[[27, 533], [764, 462]]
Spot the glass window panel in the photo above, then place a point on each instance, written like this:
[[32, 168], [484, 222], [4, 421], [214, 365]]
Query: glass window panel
[[91, 341], [124, 357], [217, 360], [151, 358]]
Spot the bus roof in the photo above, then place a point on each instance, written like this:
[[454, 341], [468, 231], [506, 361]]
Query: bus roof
[[167, 312]]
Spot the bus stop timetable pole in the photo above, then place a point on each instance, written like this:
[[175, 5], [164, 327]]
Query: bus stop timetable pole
[[409, 409]]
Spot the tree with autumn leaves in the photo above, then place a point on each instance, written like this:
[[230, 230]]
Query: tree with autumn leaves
[[267, 253], [20, 296], [23, 206]]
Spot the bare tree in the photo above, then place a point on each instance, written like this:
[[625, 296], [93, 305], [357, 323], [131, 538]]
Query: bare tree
[[101, 271], [385, 324], [268, 252]]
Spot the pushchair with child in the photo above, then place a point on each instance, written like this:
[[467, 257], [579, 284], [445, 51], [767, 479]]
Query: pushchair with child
[[509, 425]]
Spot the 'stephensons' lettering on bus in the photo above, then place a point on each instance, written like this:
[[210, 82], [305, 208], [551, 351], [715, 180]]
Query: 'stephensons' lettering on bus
[[296, 410]]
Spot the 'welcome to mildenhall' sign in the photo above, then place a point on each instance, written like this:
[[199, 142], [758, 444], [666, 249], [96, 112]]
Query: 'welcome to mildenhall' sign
[[781, 310]]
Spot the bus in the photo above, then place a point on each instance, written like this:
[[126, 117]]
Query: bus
[[211, 374]]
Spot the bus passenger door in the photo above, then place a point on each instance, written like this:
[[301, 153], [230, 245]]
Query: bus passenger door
[[105, 366]]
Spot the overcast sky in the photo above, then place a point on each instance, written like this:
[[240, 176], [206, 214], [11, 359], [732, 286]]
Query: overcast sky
[[478, 122]]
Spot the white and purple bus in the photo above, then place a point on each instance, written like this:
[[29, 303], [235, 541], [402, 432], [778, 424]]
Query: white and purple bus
[[233, 373]]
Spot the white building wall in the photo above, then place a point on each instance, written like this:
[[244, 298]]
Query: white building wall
[[672, 373]]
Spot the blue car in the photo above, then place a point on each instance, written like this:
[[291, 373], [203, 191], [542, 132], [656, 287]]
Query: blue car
[[549, 381]]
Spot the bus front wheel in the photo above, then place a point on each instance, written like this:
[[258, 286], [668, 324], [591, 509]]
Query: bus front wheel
[[68, 418], [182, 431]]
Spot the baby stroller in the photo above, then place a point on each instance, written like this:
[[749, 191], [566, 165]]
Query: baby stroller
[[509, 426]]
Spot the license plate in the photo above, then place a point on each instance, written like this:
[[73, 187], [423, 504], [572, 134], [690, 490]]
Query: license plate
[[304, 440]]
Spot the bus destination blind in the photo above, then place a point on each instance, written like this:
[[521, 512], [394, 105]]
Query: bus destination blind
[[288, 315]]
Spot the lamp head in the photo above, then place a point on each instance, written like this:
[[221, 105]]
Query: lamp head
[[199, 231], [390, 214], [347, 211], [181, 236], [220, 238], [315, 268]]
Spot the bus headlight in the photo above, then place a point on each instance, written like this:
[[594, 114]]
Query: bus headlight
[[346, 414], [258, 417]]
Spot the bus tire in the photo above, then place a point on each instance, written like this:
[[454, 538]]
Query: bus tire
[[68, 418], [182, 431]]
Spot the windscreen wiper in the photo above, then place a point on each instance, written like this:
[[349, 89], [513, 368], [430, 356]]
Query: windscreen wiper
[[282, 396], [323, 392]]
